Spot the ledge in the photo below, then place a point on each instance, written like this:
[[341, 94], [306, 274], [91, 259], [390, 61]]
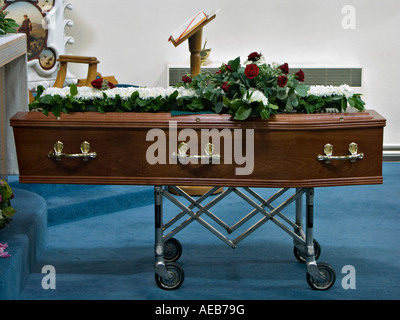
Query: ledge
[[26, 238]]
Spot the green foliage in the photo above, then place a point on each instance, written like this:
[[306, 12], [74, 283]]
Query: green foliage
[[7, 25], [6, 210], [254, 89]]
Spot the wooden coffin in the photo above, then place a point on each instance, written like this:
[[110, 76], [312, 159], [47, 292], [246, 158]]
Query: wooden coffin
[[289, 150]]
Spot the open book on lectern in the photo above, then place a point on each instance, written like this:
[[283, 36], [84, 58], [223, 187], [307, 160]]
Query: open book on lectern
[[198, 20]]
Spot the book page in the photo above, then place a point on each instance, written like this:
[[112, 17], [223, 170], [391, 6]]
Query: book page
[[188, 26]]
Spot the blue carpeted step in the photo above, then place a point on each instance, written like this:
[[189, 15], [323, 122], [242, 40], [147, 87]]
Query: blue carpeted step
[[48, 190], [55, 205], [84, 203], [68, 202], [26, 237]]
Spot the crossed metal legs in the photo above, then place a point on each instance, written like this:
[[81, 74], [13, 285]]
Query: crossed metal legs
[[170, 275]]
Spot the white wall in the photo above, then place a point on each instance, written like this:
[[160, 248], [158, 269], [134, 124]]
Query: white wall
[[129, 37]]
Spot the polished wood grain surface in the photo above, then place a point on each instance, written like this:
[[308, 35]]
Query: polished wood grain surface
[[285, 149]]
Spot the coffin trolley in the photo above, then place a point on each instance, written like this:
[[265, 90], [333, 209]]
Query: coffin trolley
[[170, 275], [294, 153]]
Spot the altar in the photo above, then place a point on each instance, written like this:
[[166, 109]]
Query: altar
[[13, 95]]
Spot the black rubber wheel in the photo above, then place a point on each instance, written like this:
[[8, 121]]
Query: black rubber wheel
[[330, 277], [172, 250], [301, 257], [178, 276]]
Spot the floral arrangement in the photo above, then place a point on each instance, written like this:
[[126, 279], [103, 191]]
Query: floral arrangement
[[3, 253], [7, 25], [6, 210], [253, 88]]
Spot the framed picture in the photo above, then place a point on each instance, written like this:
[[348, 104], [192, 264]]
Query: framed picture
[[43, 23]]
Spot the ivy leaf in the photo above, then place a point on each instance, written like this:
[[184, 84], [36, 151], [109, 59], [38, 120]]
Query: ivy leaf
[[173, 96], [273, 106], [196, 104], [235, 64], [226, 102], [343, 104], [289, 107], [39, 91], [134, 95], [281, 93], [73, 90], [263, 111], [359, 104], [302, 90], [142, 102], [243, 112], [293, 100], [56, 110], [218, 107], [47, 99], [236, 104], [99, 106]]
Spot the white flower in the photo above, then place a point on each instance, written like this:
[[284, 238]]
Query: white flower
[[88, 93], [187, 93], [327, 91], [62, 92], [255, 96]]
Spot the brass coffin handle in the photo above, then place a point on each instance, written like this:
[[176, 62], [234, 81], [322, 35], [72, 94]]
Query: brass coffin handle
[[184, 158], [328, 157], [85, 155]]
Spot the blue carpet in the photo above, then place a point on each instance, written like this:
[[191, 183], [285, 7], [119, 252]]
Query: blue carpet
[[26, 239], [110, 255]]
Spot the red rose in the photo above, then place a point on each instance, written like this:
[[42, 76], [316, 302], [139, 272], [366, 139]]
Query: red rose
[[284, 68], [97, 83], [254, 56], [225, 86], [282, 81], [300, 75], [110, 85], [251, 71], [102, 84], [228, 67], [186, 79]]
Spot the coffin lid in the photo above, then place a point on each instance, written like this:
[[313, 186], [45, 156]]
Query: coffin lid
[[284, 121]]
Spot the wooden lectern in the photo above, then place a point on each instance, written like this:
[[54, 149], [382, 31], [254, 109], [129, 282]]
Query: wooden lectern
[[195, 46]]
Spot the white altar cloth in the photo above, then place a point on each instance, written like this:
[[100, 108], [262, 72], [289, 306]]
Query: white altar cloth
[[13, 96]]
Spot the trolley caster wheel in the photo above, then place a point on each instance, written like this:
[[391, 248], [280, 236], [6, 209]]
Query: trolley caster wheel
[[327, 283], [172, 250], [301, 257], [178, 276]]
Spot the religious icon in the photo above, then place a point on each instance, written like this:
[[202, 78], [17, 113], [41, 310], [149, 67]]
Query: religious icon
[[47, 59], [26, 27], [46, 5], [30, 18]]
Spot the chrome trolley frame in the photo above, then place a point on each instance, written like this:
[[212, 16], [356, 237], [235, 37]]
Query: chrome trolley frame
[[169, 274]]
